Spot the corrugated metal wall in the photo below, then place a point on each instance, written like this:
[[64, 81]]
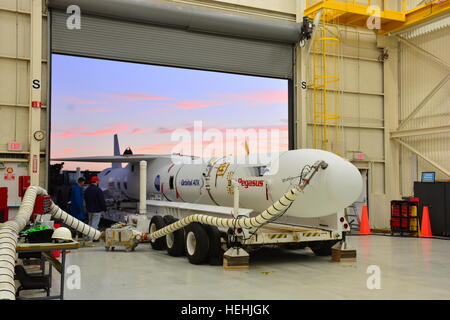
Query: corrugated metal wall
[[15, 51], [418, 76]]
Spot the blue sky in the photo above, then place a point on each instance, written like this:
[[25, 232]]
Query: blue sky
[[92, 99]]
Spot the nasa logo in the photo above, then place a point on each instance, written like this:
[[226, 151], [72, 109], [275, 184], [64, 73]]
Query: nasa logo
[[194, 182], [158, 183], [250, 183]]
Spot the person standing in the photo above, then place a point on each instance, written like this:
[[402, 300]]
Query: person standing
[[95, 202], [76, 200]]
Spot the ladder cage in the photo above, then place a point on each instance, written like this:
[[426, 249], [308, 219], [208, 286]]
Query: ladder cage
[[325, 65]]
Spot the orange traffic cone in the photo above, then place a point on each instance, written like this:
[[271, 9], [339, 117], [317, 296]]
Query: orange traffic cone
[[425, 231], [364, 225]]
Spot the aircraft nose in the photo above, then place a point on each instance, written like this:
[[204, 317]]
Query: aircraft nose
[[344, 183]]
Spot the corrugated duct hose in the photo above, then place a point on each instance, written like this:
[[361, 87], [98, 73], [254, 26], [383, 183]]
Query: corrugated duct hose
[[9, 233], [271, 213]]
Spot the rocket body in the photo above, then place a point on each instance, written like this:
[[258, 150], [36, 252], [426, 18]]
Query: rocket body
[[261, 182]]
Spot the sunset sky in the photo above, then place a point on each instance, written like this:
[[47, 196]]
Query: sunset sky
[[92, 99]]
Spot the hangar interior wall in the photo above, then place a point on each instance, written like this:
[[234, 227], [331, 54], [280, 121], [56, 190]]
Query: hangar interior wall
[[419, 75], [376, 96], [361, 110], [15, 92]]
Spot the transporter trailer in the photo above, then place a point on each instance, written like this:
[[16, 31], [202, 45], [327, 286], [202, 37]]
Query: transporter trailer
[[207, 234]]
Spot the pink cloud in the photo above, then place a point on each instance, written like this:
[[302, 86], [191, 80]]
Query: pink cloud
[[98, 110], [68, 150], [141, 96], [198, 104], [219, 148], [138, 130], [115, 128], [76, 100], [158, 147], [163, 130], [259, 97]]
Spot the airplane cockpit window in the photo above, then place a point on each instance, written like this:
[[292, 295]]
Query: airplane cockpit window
[[107, 172]]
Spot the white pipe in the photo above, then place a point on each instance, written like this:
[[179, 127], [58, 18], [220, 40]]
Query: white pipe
[[9, 234], [236, 199], [270, 214], [143, 187], [74, 223]]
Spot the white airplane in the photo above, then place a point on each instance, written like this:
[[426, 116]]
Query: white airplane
[[209, 185]]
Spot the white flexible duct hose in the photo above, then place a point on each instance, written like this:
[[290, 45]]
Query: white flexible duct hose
[[74, 223], [267, 215], [9, 234]]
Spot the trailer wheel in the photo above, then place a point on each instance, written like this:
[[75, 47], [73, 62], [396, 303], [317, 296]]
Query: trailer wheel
[[215, 254], [157, 223], [322, 249], [197, 243], [174, 240]]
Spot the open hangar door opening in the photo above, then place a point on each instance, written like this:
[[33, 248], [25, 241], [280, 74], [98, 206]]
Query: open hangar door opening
[[173, 35], [159, 36]]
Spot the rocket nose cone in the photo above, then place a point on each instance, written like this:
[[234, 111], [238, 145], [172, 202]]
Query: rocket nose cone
[[344, 182]]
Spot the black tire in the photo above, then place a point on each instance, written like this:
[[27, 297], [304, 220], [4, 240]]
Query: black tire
[[156, 223], [197, 243], [215, 253], [175, 240], [322, 249]]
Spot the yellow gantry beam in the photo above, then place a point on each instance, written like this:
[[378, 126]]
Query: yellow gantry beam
[[356, 14], [418, 15], [351, 10]]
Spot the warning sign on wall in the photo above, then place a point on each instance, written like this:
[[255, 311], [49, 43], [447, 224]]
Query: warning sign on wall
[[9, 174]]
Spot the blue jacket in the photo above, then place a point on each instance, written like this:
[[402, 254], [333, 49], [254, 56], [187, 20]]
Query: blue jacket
[[76, 200], [94, 198]]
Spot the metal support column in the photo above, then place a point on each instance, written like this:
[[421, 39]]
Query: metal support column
[[35, 89], [143, 187]]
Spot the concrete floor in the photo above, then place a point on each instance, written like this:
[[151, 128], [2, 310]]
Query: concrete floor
[[411, 268]]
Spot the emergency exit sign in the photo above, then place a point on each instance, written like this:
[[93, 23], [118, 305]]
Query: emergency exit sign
[[14, 146]]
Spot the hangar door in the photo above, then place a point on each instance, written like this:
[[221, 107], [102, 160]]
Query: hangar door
[[126, 40]]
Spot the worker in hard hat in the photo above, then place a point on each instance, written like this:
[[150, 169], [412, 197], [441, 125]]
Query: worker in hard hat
[[95, 202]]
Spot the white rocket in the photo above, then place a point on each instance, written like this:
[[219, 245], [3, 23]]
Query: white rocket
[[185, 180]]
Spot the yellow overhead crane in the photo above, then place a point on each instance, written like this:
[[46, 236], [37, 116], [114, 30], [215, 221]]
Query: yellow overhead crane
[[357, 12]]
